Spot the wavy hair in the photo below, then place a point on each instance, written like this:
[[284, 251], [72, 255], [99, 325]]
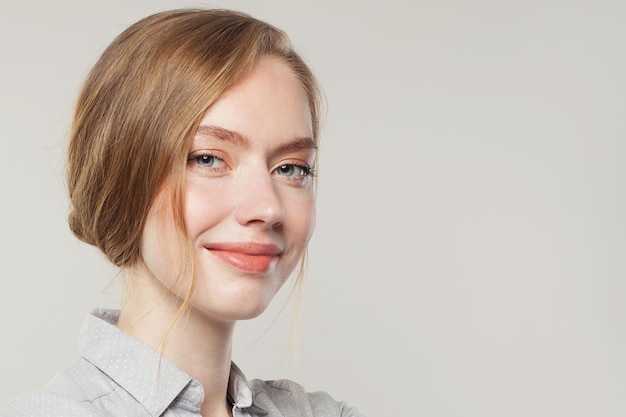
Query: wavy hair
[[140, 106]]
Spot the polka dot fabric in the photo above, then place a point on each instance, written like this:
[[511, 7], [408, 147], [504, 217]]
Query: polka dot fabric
[[118, 375]]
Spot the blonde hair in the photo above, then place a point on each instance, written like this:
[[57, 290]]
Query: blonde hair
[[140, 107], [138, 111]]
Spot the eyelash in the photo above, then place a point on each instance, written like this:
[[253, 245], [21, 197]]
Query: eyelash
[[307, 170], [195, 158]]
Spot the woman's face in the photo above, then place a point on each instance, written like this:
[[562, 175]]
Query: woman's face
[[249, 198]]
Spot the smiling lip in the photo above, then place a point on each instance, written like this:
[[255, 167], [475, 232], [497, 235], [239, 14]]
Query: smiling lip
[[246, 256]]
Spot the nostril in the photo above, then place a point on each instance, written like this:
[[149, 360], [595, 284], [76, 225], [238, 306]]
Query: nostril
[[260, 204]]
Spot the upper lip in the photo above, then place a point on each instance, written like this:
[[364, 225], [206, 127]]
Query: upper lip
[[247, 248]]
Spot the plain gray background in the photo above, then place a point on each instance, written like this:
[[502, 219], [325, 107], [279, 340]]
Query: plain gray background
[[469, 258]]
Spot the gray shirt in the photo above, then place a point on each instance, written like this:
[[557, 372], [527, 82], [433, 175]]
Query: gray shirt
[[118, 375]]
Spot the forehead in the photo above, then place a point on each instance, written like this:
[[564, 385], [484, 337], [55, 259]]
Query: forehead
[[270, 101]]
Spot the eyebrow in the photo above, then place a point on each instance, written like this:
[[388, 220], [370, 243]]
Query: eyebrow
[[238, 139], [223, 134]]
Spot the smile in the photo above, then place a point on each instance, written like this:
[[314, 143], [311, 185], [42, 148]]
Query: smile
[[246, 256]]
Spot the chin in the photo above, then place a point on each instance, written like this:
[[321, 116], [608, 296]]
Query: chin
[[249, 313], [227, 296], [232, 307], [232, 314]]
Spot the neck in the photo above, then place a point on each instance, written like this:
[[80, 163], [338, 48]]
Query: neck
[[199, 346]]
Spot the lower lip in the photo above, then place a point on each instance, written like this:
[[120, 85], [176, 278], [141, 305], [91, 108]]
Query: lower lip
[[245, 262]]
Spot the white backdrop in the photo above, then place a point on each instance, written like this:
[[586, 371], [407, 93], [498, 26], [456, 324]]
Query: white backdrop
[[469, 258]]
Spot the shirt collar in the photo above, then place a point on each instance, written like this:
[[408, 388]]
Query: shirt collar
[[151, 379]]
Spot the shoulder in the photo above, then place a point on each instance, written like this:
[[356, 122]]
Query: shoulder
[[44, 403], [70, 394], [285, 395]]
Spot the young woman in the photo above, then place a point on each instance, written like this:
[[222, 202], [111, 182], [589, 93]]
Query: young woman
[[190, 167]]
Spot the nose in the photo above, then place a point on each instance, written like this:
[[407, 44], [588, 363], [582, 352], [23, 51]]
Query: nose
[[258, 201]]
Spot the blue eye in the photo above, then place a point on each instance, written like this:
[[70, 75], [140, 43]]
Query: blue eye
[[206, 160], [294, 170]]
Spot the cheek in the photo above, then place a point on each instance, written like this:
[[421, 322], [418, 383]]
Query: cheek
[[302, 219], [160, 250], [202, 209], [311, 219]]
